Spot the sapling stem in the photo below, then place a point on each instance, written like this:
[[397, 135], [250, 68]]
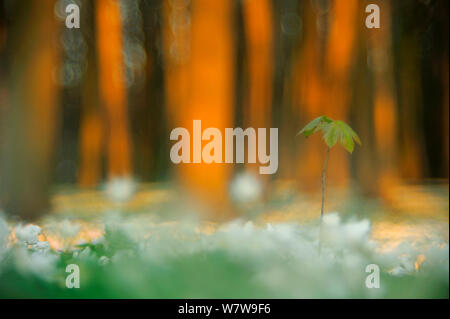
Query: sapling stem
[[324, 179], [333, 132]]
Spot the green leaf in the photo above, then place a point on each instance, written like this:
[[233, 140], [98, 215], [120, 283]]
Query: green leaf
[[345, 137], [331, 134], [346, 141], [314, 125], [355, 136], [310, 127], [350, 131]]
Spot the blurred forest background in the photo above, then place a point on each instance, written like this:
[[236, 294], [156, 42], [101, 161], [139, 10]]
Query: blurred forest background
[[84, 106]]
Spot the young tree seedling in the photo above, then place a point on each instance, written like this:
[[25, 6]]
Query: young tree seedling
[[332, 132]]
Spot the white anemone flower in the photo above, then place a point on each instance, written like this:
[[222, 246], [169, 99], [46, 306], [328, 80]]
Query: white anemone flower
[[42, 247], [120, 188], [41, 265], [28, 234], [246, 188], [69, 229]]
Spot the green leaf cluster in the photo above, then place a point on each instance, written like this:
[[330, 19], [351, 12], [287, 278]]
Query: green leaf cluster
[[333, 131]]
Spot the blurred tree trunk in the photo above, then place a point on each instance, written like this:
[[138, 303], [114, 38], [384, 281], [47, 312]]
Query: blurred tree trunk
[[259, 35], [113, 93], [445, 119], [147, 95], [32, 113], [288, 35], [411, 154], [200, 73], [385, 117], [364, 159], [258, 24], [3, 76], [91, 130], [176, 34]]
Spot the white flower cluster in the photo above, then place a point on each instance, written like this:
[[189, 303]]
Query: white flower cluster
[[30, 255], [354, 234], [286, 255], [326, 259], [28, 235]]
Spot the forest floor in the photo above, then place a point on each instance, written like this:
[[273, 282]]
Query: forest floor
[[150, 246]]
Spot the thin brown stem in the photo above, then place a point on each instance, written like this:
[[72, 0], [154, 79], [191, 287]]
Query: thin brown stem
[[324, 179]]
